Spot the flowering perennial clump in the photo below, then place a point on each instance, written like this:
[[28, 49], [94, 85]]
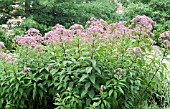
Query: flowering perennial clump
[[97, 64]]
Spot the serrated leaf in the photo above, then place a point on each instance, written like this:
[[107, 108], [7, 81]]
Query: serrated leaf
[[120, 89], [93, 63], [88, 69], [97, 69], [115, 94], [46, 76], [92, 78], [21, 91], [41, 93], [41, 69], [83, 77], [87, 85], [110, 92], [17, 86], [108, 83], [91, 94], [83, 93]]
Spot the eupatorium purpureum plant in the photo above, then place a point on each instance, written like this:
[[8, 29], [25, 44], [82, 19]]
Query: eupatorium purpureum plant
[[99, 66]]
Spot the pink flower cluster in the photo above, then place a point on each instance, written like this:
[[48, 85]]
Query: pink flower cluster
[[137, 50], [32, 38], [94, 28], [143, 21], [7, 57], [26, 70], [143, 24], [58, 34], [165, 36], [26, 40], [32, 32], [2, 45]]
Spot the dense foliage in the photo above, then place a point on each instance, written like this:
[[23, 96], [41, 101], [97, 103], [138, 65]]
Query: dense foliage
[[158, 10], [65, 12], [101, 66]]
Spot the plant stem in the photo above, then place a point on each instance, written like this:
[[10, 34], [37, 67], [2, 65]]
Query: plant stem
[[92, 50], [4, 66], [156, 70], [78, 48], [53, 51], [26, 56], [15, 74], [154, 74]]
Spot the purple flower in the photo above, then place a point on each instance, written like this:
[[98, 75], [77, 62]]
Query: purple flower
[[38, 48], [26, 70], [152, 41], [77, 27], [2, 45], [51, 67], [11, 59], [3, 55], [58, 26], [7, 58], [32, 31], [164, 35], [137, 50], [167, 43]]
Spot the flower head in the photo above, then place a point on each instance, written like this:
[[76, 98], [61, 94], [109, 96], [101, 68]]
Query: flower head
[[118, 71], [32, 31], [102, 87], [164, 35], [26, 70], [137, 50], [2, 45], [77, 27]]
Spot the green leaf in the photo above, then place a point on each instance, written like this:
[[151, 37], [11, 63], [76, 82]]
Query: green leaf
[[156, 79], [41, 93], [41, 69], [96, 99], [21, 91], [17, 86], [110, 92], [165, 65], [88, 69], [108, 83], [83, 77], [91, 94], [97, 69], [87, 85], [93, 63], [46, 76], [83, 93], [115, 94], [120, 89], [34, 91], [92, 78], [102, 106], [41, 86]]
